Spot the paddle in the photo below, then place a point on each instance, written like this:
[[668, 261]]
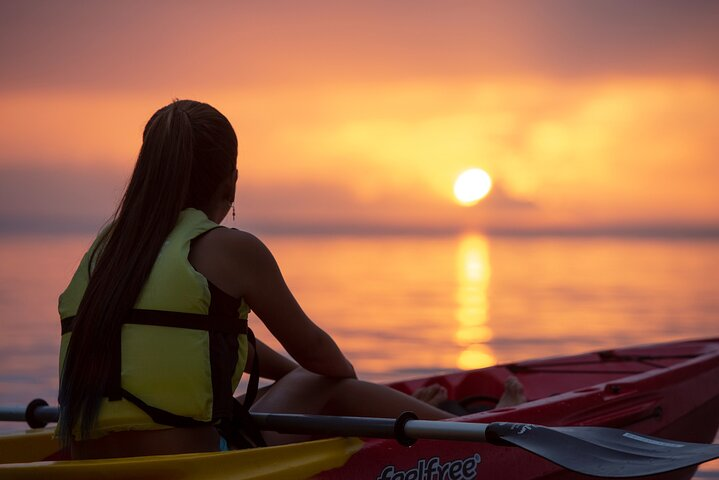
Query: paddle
[[596, 451]]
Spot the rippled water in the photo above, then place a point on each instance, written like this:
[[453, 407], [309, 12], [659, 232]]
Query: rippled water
[[407, 306]]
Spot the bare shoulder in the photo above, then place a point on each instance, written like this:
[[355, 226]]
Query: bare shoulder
[[231, 247], [232, 238]]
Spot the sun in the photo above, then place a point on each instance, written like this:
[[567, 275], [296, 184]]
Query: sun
[[472, 186]]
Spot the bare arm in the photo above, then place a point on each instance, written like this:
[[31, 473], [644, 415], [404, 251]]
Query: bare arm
[[264, 289], [272, 364]]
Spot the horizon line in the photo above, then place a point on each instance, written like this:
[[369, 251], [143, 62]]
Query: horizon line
[[9, 227]]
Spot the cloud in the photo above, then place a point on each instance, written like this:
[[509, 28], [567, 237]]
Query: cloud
[[80, 198], [183, 45], [500, 199], [37, 198]]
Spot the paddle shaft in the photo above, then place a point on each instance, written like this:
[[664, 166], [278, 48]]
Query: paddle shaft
[[36, 414], [403, 428]]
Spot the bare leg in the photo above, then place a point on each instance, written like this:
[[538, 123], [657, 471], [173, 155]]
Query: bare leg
[[304, 392]]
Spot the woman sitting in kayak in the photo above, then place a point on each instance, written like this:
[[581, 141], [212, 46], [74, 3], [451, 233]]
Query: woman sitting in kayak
[[154, 321]]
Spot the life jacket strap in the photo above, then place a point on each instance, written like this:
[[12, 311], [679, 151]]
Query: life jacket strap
[[163, 417], [254, 380], [241, 431], [195, 321]]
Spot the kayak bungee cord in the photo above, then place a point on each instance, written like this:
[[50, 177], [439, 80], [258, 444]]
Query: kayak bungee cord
[[607, 356]]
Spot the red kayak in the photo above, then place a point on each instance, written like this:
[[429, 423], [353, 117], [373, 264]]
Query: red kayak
[[669, 392], [664, 390]]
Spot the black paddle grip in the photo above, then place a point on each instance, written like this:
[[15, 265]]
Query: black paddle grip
[[399, 425], [30, 417]]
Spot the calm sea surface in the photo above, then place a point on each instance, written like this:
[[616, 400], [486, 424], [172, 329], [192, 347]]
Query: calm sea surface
[[408, 306]]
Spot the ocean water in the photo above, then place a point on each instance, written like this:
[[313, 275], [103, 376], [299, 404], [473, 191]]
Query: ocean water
[[406, 306]]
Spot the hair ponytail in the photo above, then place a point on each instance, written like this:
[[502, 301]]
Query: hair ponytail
[[169, 176]]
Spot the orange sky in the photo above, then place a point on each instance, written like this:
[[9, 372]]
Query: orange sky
[[360, 115]]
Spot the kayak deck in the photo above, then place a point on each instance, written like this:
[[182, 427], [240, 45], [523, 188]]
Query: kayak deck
[[551, 376]]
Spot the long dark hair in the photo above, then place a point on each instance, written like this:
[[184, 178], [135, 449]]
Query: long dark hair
[[188, 150]]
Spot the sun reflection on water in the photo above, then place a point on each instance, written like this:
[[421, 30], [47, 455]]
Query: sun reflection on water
[[473, 275]]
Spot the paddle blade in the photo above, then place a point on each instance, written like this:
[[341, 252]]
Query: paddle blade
[[602, 452]]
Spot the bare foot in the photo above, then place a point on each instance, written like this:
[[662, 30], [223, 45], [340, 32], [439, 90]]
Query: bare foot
[[513, 393], [433, 394]]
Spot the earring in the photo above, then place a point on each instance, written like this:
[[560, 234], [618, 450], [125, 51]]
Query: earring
[[233, 212]]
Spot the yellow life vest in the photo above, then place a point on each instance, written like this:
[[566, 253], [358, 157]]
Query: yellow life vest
[[182, 349]]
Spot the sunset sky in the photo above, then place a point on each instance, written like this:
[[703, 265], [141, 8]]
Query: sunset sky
[[358, 116]]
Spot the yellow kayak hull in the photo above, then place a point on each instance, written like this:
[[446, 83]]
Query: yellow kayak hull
[[296, 461]]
